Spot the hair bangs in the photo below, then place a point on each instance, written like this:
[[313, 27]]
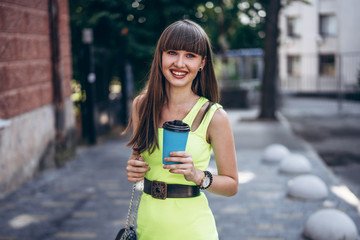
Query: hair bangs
[[184, 37]]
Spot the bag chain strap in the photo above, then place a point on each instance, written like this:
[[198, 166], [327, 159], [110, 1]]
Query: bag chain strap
[[128, 218]]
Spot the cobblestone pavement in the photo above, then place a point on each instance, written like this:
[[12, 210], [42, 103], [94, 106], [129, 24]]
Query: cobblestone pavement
[[333, 132], [89, 197]]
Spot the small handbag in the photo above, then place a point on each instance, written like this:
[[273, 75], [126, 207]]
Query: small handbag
[[129, 232]]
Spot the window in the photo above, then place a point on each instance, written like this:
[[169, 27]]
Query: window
[[293, 65], [293, 27], [328, 25], [327, 65]]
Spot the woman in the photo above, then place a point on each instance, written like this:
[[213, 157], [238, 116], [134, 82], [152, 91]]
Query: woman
[[181, 86]]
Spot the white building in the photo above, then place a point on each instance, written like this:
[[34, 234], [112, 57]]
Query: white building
[[320, 46]]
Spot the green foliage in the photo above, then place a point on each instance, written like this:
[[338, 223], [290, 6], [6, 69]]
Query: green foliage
[[130, 30]]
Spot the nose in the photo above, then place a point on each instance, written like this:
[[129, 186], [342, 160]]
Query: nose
[[179, 61]]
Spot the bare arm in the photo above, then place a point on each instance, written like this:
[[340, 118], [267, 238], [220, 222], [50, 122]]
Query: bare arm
[[222, 140]]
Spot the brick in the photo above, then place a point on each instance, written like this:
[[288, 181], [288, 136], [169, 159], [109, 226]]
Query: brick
[[9, 104], [14, 19], [64, 26], [1, 18], [40, 4], [40, 72], [28, 48], [65, 47], [47, 94], [67, 88], [30, 98], [46, 20], [3, 79], [37, 23], [17, 75], [63, 7], [67, 69], [44, 51], [7, 48]]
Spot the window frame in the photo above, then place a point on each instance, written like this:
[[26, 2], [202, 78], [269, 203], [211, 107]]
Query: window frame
[[324, 29], [291, 23], [324, 66], [294, 60]]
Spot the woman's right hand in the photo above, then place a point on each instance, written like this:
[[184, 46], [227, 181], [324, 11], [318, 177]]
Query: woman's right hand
[[136, 168]]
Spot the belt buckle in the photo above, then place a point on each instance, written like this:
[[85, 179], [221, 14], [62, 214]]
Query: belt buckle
[[159, 190]]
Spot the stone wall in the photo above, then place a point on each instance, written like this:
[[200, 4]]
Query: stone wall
[[27, 119]]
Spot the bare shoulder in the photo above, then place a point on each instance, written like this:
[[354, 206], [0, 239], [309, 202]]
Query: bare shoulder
[[220, 117], [219, 126]]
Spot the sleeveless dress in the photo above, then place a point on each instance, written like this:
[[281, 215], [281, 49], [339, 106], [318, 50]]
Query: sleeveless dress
[[179, 218]]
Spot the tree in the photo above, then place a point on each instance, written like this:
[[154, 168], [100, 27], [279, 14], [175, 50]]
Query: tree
[[138, 24], [269, 89], [268, 104]]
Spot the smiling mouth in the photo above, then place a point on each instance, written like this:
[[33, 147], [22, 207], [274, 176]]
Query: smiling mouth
[[177, 73]]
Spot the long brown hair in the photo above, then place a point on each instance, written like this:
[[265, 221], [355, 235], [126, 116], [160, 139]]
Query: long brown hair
[[181, 35]]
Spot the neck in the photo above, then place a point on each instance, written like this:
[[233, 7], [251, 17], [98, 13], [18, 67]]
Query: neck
[[180, 97]]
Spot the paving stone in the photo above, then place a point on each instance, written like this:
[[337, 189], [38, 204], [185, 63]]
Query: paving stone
[[85, 214], [274, 153], [330, 224], [307, 187], [263, 238], [24, 220], [295, 163], [75, 235], [7, 238]]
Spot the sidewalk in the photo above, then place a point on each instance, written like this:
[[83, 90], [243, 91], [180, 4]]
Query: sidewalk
[[261, 210], [89, 197]]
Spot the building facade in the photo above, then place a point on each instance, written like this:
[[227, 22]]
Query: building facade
[[37, 123], [319, 48]]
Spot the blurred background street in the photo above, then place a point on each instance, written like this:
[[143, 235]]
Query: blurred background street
[[332, 128], [289, 77]]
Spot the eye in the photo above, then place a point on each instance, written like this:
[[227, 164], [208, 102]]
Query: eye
[[171, 52], [190, 55]]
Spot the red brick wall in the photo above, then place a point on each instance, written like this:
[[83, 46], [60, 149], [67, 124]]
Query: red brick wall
[[25, 55]]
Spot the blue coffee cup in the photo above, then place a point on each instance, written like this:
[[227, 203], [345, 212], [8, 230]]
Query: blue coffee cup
[[175, 135]]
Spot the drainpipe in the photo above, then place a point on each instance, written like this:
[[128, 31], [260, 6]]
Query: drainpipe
[[57, 79]]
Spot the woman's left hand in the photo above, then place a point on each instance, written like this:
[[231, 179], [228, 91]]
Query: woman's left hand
[[183, 165]]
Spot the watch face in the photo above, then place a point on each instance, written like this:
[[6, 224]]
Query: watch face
[[206, 182]]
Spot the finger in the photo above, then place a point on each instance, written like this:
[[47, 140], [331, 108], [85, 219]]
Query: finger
[[186, 167], [179, 171], [172, 166], [131, 179], [180, 154], [137, 163], [183, 160], [135, 175], [174, 159], [137, 169]]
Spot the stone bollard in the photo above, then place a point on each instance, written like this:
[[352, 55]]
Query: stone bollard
[[307, 187], [295, 163], [330, 224], [274, 153]]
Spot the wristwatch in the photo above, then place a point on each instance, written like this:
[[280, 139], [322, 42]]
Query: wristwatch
[[206, 181]]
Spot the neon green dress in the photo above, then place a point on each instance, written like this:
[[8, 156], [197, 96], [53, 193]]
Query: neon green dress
[[179, 218]]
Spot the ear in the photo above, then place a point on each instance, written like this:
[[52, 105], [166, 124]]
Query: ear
[[203, 62]]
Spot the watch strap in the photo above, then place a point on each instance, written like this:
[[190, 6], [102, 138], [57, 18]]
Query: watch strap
[[207, 175]]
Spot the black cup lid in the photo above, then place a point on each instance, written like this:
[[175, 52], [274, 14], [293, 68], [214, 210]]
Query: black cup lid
[[176, 126]]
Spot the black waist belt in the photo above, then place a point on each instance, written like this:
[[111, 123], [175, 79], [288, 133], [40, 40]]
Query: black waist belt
[[162, 190]]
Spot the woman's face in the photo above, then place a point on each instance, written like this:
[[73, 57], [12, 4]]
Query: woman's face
[[181, 67]]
